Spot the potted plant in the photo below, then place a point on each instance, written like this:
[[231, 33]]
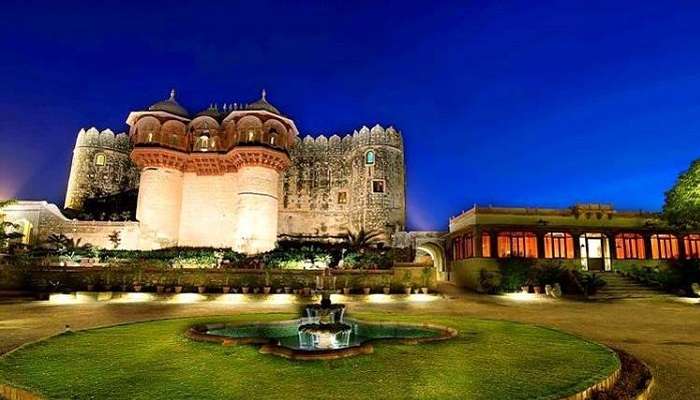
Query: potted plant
[[387, 284], [347, 285], [426, 275], [201, 281], [366, 288], [268, 283], [107, 280], [305, 287], [407, 282], [245, 285], [138, 281], [124, 282], [89, 282], [178, 280], [227, 282]]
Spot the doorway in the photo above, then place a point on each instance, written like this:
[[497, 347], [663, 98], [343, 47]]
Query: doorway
[[595, 252]]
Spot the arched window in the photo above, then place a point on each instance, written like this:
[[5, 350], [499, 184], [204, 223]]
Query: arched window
[[369, 157], [517, 244], [692, 245], [202, 143], [558, 245], [664, 246], [100, 159], [629, 246], [251, 136]]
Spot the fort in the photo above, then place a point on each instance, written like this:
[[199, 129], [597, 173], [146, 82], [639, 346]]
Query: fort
[[238, 177]]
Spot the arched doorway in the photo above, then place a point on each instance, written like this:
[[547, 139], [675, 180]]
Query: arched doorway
[[437, 254]]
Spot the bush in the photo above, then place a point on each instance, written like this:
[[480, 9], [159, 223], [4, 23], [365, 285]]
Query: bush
[[678, 277], [514, 273]]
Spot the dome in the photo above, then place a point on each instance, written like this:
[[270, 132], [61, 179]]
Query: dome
[[171, 106], [262, 104], [212, 111]]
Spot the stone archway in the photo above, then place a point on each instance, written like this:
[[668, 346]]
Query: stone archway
[[437, 254]]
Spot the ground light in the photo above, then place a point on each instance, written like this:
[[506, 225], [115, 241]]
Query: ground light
[[228, 298]]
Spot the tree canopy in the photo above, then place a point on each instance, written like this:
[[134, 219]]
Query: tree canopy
[[682, 205]]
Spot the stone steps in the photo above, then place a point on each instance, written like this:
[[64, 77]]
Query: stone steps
[[620, 287]]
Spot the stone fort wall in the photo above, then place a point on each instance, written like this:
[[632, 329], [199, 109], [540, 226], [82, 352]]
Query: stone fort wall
[[101, 166], [328, 190]]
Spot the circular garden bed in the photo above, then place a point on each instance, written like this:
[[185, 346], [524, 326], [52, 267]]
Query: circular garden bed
[[155, 360]]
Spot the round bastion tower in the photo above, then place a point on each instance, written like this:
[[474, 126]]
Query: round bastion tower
[[259, 153], [211, 179]]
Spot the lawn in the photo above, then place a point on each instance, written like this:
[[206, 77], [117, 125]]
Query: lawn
[[154, 360]]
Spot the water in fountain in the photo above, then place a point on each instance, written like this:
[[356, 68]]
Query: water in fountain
[[323, 327]]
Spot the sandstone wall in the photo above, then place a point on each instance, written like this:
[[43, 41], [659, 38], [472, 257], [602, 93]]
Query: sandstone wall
[[208, 216], [256, 209], [159, 207], [88, 179], [46, 219]]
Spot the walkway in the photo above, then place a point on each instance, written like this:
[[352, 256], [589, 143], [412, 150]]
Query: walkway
[[663, 332]]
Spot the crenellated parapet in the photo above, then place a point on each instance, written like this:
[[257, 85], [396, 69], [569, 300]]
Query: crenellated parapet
[[105, 139], [376, 136]]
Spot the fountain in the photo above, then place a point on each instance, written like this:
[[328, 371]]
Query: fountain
[[323, 326], [321, 333]]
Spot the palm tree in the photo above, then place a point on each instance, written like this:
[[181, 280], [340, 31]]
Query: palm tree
[[362, 238]]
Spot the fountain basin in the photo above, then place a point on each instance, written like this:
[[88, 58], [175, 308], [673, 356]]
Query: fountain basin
[[301, 339]]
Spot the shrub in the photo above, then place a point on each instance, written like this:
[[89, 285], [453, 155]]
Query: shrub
[[514, 273]]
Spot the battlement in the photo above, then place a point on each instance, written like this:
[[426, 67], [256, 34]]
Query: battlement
[[377, 135], [106, 139]]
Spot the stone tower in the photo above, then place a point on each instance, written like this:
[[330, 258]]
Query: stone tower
[[210, 180], [378, 181], [101, 166]]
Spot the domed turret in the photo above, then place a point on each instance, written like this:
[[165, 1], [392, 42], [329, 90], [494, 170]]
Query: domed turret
[[212, 111], [262, 104], [171, 106]]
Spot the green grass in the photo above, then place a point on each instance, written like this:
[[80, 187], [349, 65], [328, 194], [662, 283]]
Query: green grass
[[153, 360]]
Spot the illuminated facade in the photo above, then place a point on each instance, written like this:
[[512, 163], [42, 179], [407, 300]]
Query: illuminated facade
[[590, 235], [237, 177]]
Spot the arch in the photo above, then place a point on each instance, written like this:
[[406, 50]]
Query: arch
[[275, 133], [148, 130], [250, 129], [437, 253], [174, 134], [370, 157]]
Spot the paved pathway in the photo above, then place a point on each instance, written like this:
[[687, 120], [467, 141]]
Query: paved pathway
[[663, 332]]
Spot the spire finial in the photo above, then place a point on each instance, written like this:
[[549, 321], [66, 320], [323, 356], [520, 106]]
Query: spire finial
[[264, 93], [172, 94]]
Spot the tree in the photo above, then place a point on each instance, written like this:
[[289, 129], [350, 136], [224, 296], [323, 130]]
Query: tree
[[115, 238], [682, 205], [8, 230], [362, 238]]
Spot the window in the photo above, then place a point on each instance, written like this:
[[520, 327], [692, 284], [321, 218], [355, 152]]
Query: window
[[202, 143], [664, 246], [100, 159], [692, 245], [517, 244], [558, 245], [369, 157], [377, 186], [629, 246], [251, 136], [485, 244], [342, 197], [463, 247]]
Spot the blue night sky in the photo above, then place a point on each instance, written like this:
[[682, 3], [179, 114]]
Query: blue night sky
[[505, 103]]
